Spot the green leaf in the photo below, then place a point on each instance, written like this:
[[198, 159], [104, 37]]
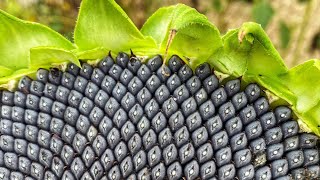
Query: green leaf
[[248, 52], [9, 82], [4, 71], [262, 13], [192, 35], [304, 81], [41, 57], [285, 34], [97, 53], [17, 37], [103, 24]]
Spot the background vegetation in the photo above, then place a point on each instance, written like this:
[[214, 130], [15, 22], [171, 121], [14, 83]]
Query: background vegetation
[[292, 25]]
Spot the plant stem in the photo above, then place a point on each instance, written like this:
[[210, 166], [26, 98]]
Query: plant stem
[[304, 24]]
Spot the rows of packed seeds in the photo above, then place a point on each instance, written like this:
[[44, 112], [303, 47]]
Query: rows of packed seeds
[[128, 120]]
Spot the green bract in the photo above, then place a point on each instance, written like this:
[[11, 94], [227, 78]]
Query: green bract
[[103, 27]]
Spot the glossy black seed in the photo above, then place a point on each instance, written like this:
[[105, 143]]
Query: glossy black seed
[[86, 71], [111, 107], [5, 173], [97, 76], [6, 143], [207, 170], [263, 173], [174, 171], [273, 135], [164, 73], [119, 91], [143, 125], [128, 101], [101, 99], [86, 176], [214, 125], [219, 96], [18, 130], [185, 72], [226, 111], [176, 120], [268, 121], [191, 170], [170, 154], [108, 84], [134, 64], [127, 130], [151, 108], [56, 144], [144, 73], [261, 106], [20, 99], [119, 118], [149, 139], [201, 96], [311, 157], [105, 64], [159, 171], [203, 71], [67, 80], [62, 94], [68, 133], [193, 121], [253, 130], [45, 157], [181, 94], [173, 82], [91, 90], [162, 94], [314, 171], [233, 126], [253, 92], [239, 101], [107, 159], [295, 159], [238, 142], [113, 137], [247, 115], [279, 168], [25, 83], [282, 113], [275, 151], [44, 121], [155, 63], [122, 59], [6, 112], [16, 175], [211, 83], [57, 166], [193, 84], [36, 170], [32, 102], [44, 138], [153, 156], [45, 104], [227, 172], [175, 63], [30, 116], [77, 167], [169, 107], [223, 156], [308, 140], [290, 128], [33, 151], [17, 114], [219, 140], [126, 77], [7, 98], [181, 136], [246, 172], [242, 158], [5, 127], [126, 167], [56, 126], [92, 133], [165, 137], [36, 88], [24, 165], [58, 109], [79, 142], [88, 156], [135, 113], [188, 107], [144, 174], [50, 90], [291, 143], [139, 160], [153, 83], [199, 136], [31, 133], [232, 87], [73, 69], [67, 154]]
